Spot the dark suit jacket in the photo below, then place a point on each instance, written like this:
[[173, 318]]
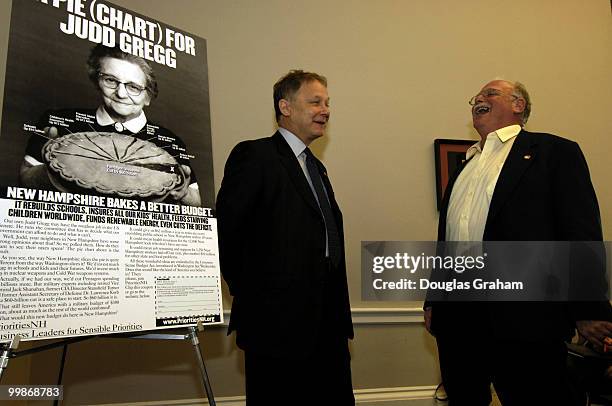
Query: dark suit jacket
[[543, 193], [272, 251]]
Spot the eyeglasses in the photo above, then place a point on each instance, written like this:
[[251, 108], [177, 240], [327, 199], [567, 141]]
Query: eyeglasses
[[111, 82], [488, 93]]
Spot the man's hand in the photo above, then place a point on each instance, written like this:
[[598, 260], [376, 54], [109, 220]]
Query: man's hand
[[427, 317], [595, 331]]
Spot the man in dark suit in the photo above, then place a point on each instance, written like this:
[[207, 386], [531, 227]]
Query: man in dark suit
[[515, 186], [282, 256]]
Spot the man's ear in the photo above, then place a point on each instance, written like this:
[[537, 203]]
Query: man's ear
[[285, 107], [518, 106]]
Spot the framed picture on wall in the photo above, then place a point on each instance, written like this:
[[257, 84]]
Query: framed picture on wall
[[449, 154]]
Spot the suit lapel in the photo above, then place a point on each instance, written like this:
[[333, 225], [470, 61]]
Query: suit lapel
[[522, 154], [294, 170]]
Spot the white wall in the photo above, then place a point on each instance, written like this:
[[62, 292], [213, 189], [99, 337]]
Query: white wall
[[400, 74]]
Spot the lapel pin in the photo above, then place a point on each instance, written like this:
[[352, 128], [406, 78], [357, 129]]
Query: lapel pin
[[527, 157]]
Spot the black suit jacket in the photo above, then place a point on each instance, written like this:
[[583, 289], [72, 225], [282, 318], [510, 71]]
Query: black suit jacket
[[543, 193], [272, 251]]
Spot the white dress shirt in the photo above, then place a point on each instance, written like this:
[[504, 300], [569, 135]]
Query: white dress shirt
[[471, 195]]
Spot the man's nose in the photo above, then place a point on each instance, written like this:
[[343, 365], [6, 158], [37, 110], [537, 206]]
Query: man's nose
[[479, 98]]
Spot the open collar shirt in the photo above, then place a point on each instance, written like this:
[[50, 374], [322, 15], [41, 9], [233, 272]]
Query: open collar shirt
[[471, 195]]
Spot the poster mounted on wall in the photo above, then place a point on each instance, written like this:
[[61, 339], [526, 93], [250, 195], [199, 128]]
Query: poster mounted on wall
[[106, 174]]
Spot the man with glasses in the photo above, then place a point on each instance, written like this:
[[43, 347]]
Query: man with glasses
[[515, 185], [126, 84]]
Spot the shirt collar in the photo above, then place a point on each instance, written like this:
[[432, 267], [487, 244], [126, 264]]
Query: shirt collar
[[504, 134], [472, 150], [134, 125], [296, 144]]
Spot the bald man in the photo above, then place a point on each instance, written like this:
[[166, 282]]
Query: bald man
[[515, 185]]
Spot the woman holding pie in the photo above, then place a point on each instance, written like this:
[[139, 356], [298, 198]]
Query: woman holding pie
[[114, 149]]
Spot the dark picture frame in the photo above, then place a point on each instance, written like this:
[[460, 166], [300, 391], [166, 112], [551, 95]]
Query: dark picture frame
[[448, 154]]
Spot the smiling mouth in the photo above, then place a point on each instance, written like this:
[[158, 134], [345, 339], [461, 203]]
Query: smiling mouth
[[482, 109]]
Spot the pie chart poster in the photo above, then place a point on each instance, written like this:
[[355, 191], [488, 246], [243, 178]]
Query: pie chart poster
[[49, 44]]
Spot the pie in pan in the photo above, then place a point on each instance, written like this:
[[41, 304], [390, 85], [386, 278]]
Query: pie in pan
[[111, 163]]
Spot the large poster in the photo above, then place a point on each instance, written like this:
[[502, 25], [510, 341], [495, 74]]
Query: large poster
[[106, 182]]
